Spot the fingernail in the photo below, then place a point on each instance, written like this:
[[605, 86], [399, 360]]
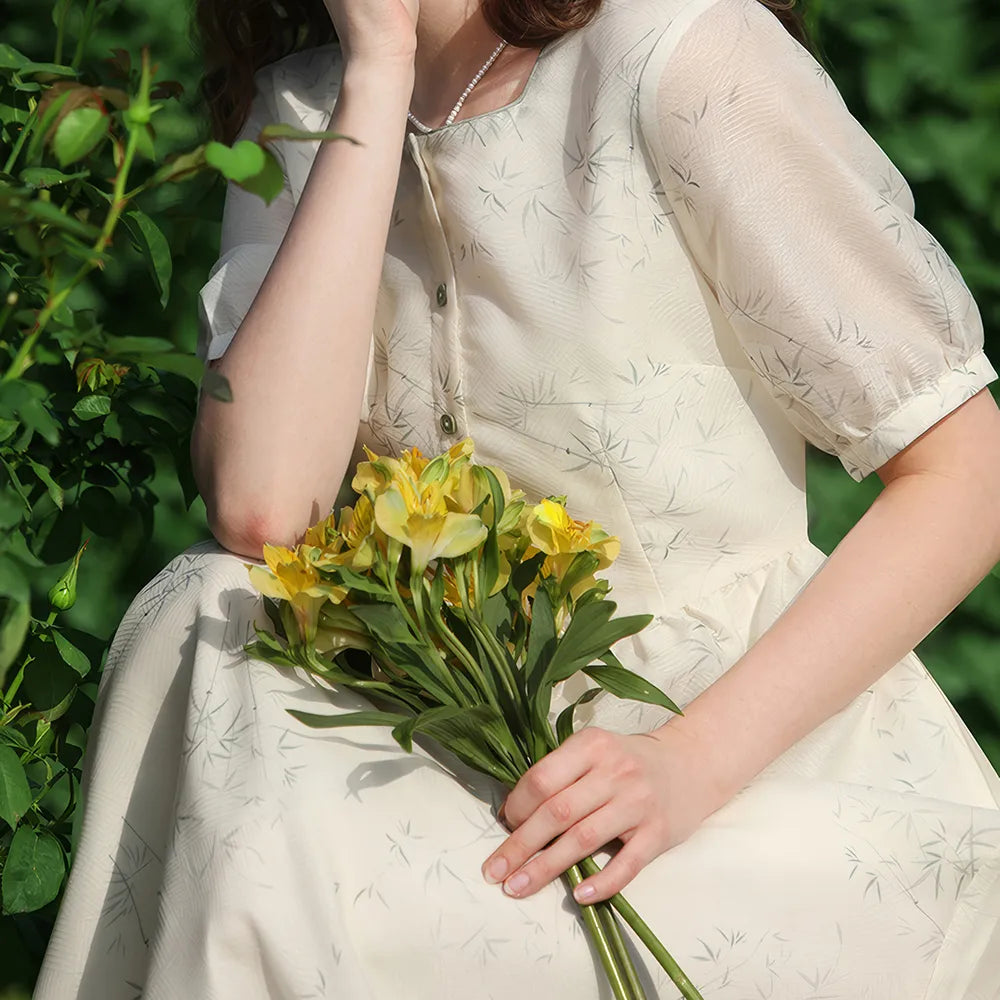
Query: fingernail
[[583, 892], [495, 870], [516, 883]]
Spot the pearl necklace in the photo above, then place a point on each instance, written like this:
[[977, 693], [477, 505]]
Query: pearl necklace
[[465, 93]]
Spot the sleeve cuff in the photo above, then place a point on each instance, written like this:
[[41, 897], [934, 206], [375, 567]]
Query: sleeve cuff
[[228, 294], [917, 415]]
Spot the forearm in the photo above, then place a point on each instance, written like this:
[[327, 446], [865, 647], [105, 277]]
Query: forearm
[[270, 462], [915, 554]]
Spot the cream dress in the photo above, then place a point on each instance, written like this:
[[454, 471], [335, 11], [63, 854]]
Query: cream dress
[[645, 283]]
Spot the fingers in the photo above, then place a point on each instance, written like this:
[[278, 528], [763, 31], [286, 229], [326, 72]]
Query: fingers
[[554, 772], [553, 817], [617, 873], [589, 834]]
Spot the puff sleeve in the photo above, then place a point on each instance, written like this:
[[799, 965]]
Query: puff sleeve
[[850, 311], [252, 231]]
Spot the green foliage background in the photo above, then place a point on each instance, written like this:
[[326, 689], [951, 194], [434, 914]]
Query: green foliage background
[[917, 73]]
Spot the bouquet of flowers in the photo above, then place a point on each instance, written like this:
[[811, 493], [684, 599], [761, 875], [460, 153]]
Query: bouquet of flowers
[[455, 607]]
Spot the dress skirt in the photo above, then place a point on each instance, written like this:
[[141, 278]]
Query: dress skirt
[[229, 852]]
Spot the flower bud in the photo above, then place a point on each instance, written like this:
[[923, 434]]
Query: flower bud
[[62, 596]]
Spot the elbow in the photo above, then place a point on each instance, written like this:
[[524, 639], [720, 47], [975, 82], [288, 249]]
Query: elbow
[[244, 531], [241, 518]]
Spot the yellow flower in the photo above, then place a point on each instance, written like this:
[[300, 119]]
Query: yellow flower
[[374, 475], [555, 533], [551, 530], [419, 518], [380, 472], [291, 577], [357, 528]]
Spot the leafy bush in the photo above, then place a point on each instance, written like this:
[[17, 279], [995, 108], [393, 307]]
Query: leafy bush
[[88, 403]]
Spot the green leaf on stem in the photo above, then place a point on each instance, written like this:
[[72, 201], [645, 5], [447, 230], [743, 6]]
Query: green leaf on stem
[[10, 58], [248, 164], [33, 872], [15, 792], [15, 617], [45, 211], [541, 641], [267, 184], [281, 131], [46, 177], [386, 624], [623, 683], [54, 490], [76, 658], [179, 168], [78, 133], [152, 244], [91, 407], [477, 735], [359, 582], [564, 724], [236, 163], [348, 719], [591, 632]]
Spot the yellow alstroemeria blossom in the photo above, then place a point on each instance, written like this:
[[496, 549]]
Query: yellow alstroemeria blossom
[[554, 532], [357, 528], [421, 521], [379, 472], [291, 577]]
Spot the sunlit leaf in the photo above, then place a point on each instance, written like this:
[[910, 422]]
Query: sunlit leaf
[[281, 131], [91, 407], [269, 182], [78, 133], [236, 163], [623, 683]]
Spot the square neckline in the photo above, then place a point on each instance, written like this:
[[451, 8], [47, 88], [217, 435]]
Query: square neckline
[[546, 49]]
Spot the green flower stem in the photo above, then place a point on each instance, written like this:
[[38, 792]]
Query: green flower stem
[[491, 648], [487, 690], [26, 128], [60, 35], [605, 951], [606, 913], [88, 27], [515, 713], [387, 574], [22, 359], [450, 678], [649, 939]]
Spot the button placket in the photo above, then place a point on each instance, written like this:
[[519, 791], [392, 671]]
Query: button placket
[[446, 347]]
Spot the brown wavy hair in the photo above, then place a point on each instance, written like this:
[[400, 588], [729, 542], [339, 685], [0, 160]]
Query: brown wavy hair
[[237, 37]]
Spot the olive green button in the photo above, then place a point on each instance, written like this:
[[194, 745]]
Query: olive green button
[[448, 424], [442, 295]]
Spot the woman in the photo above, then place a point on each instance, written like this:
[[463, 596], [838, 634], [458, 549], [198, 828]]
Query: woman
[[649, 257]]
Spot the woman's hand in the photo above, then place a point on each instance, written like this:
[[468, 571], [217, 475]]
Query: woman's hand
[[649, 790], [375, 30]]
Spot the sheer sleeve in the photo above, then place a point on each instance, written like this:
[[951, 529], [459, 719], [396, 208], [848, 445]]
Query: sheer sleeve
[[252, 231], [850, 311]]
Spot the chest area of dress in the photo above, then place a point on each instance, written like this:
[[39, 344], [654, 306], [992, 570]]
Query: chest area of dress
[[532, 261]]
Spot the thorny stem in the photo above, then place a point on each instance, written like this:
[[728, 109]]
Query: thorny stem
[[119, 201]]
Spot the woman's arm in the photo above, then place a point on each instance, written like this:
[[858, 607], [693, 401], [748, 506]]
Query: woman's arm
[[929, 537], [270, 462], [926, 541]]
